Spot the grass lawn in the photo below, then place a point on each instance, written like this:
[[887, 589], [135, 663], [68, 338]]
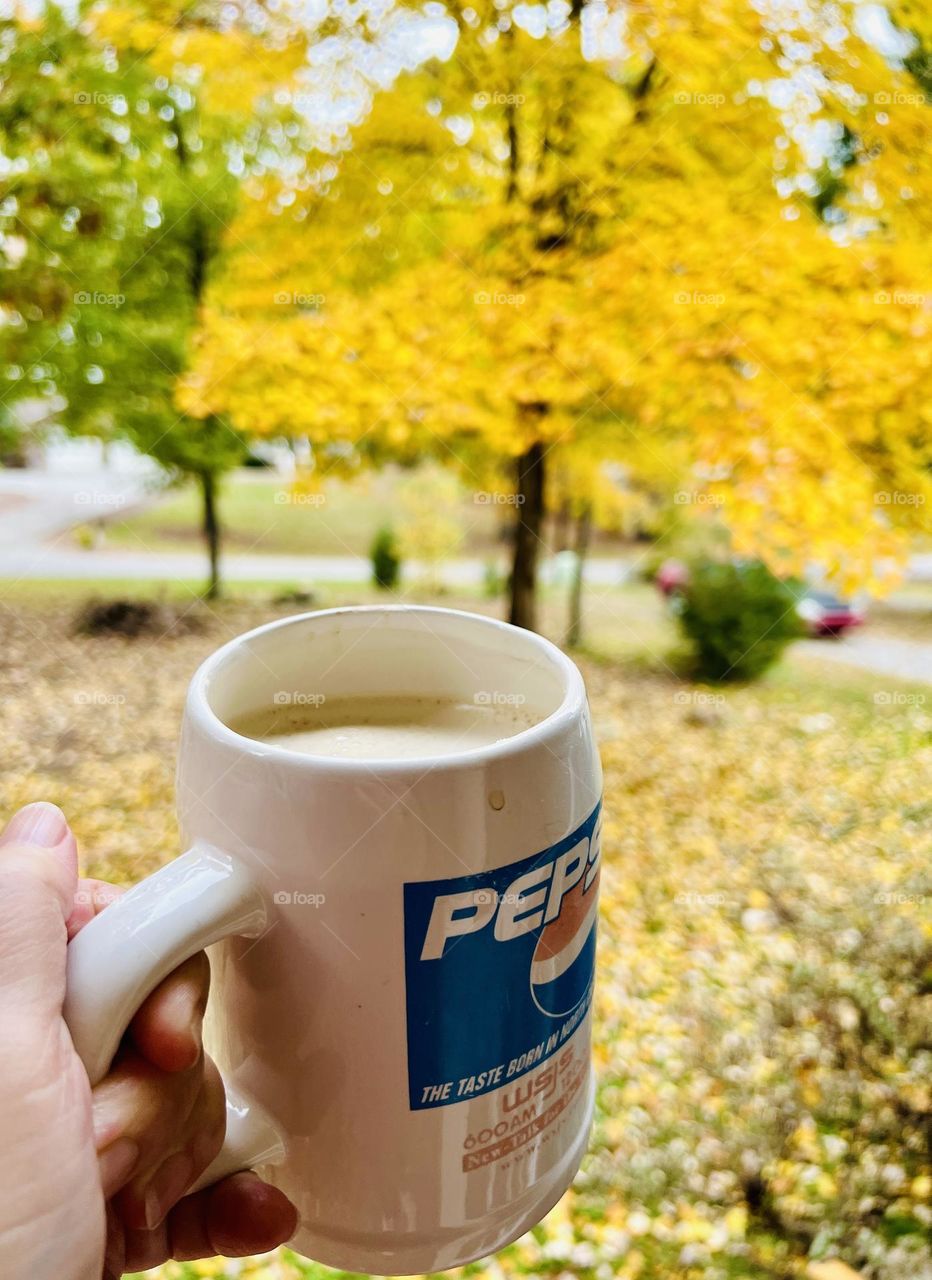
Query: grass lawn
[[764, 1009], [261, 515]]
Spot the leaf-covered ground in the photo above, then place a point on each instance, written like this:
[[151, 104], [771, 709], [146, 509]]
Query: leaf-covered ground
[[764, 1014]]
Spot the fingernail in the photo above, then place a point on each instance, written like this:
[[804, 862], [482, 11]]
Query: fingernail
[[115, 1164], [168, 1185], [40, 824]]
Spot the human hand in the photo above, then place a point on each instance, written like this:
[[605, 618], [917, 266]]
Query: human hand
[[93, 1182]]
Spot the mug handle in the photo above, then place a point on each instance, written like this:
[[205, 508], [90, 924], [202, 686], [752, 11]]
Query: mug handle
[[125, 952]]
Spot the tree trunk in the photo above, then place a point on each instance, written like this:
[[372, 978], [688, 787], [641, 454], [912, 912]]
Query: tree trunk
[[561, 527], [583, 529], [529, 492], [211, 530]]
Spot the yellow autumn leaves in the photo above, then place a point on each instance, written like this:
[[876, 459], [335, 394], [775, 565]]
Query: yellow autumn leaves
[[764, 988]]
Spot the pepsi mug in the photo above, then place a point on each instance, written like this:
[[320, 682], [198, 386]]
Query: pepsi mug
[[402, 950]]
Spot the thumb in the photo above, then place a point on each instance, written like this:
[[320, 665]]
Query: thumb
[[38, 878]]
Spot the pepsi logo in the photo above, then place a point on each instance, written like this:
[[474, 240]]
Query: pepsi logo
[[562, 960]]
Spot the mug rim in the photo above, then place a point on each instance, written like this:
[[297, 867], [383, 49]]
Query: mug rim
[[199, 709]]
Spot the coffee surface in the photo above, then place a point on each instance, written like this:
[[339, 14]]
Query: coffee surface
[[387, 728]]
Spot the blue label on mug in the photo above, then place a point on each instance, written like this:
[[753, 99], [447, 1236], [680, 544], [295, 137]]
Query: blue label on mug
[[499, 968]]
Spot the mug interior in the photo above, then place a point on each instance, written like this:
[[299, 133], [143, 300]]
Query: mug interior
[[391, 651]]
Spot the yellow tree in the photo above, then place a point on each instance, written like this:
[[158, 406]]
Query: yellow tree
[[629, 234]]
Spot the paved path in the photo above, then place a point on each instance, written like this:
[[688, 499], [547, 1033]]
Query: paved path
[[885, 655], [39, 504]]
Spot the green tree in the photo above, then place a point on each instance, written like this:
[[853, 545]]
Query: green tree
[[120, 188]]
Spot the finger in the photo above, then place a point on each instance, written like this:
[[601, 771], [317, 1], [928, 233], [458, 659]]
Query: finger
[[91, 896], [145, 1249], [239, 1216], [139, 1102], [38, 874], [175, 1154], [167, 1027]]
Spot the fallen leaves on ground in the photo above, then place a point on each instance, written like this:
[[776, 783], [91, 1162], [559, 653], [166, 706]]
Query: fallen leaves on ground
[[763, 1034]]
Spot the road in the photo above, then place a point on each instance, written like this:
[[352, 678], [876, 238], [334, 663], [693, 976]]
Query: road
[[52, 561], [884, 655], [35, 505]]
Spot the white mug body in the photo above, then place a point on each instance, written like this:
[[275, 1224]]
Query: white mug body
[[414, 1017]]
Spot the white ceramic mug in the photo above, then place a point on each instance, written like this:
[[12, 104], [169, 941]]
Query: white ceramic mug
[[403, 950]]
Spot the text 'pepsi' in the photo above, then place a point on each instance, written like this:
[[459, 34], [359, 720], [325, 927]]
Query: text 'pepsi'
[[499, 968]]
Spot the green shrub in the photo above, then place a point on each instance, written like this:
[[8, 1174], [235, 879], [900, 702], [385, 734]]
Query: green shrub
[[386, 562], [493, 581], [737, 618]]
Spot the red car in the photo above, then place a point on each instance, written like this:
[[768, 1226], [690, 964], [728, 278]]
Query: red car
[[826, 615]]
